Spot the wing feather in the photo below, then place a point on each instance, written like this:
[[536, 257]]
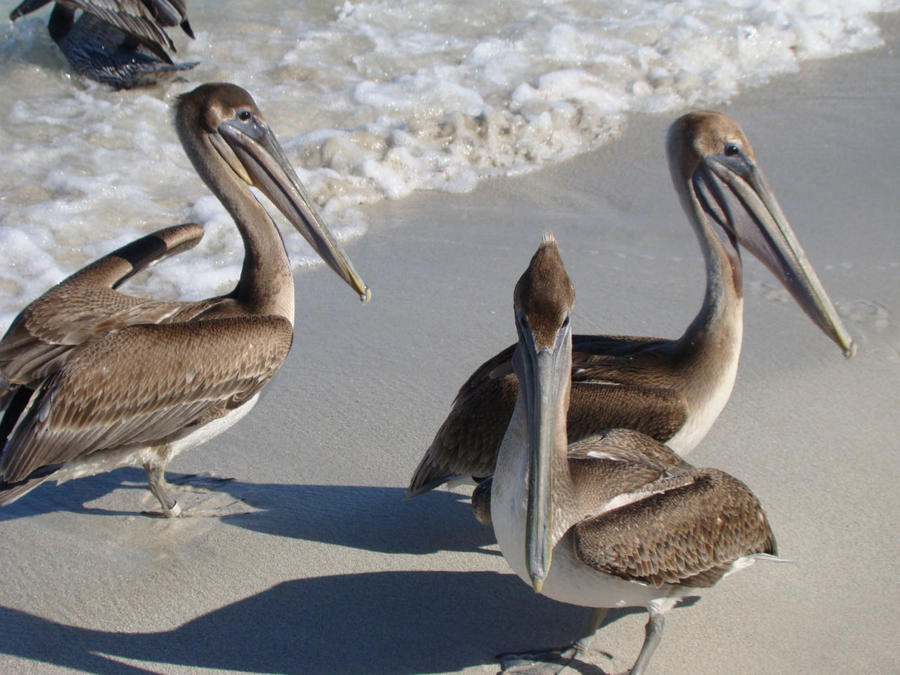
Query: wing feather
[[143, 385], [609, 390], [687, 529], [144, 20], [86, 305]]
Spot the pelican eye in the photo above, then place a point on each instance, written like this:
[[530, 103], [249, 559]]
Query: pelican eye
[[523, 321], [732, 149], [244, 115]]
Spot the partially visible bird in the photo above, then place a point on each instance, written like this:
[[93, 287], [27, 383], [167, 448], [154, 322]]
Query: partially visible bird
[[122, 43]]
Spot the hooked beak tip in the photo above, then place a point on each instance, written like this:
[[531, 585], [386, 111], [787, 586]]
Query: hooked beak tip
[[850, 350], [366, 295]]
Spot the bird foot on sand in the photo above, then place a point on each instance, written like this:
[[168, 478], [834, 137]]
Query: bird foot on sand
[[550, 661], [173, 512], [544, 662]]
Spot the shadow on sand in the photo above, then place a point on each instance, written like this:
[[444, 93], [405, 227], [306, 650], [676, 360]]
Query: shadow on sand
[[373, 622], [377, 519], [382, 622]]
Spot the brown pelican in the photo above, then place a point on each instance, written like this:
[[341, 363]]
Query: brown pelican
[[100, 379], [671, 390], [122, 43], [614, 519]]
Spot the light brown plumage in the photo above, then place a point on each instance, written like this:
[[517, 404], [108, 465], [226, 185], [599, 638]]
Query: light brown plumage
[[613, 519], [98, 379], [87, 305], [142, 384], [688, 531], [671, 390]]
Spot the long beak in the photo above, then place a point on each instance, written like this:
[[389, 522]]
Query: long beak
[[735, 194], [541, 372], [261, 162]]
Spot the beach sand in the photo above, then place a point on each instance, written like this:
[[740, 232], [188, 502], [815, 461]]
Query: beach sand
[[311, 561]]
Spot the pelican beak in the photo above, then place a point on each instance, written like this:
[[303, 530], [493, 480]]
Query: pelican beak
[[734, 193], [542, 373], [256, 156]]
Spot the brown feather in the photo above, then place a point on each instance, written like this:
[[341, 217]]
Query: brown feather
[[601, 397], [85, 306], [144, 20], [687, 530], [100, 379], [113, 391]]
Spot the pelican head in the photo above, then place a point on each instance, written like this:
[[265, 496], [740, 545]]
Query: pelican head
[[715, 171], [542, 360], [222, 120]]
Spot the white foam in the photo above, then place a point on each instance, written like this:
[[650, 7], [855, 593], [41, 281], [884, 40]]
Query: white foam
[[371, 100]]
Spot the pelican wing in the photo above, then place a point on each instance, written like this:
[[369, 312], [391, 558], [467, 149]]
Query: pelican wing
[[629, 447], [469, 439], [86, 306], [142, 386], [142, 19], [26, 7], [613, 385], [686, 529]]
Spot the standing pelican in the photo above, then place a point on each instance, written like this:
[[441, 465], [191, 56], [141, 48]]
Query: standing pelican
[[122, 43], [99, 379], [671, 390], [615, 519]]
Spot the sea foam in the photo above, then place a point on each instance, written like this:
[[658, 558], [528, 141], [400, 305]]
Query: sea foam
[[371, 100]]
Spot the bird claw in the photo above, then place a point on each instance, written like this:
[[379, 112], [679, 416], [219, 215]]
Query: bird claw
[[550, 661], [173, 512]]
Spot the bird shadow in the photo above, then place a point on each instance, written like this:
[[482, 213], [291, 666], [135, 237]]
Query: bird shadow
[[378, 622], [372, 622], [372, 518], [75, 496]]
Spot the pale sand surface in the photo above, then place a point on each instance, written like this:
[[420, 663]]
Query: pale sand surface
[[310, 561]]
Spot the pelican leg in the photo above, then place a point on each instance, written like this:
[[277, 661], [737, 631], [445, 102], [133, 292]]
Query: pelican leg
[[156, 479], [481, 501], [653, 632], [583, 644]]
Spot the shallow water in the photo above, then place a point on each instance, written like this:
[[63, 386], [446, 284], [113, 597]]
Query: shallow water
[[371, 100]]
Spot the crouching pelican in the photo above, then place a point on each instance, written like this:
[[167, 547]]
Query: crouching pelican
[[122, 43], [671, 390], [615, 519], [97, 379]]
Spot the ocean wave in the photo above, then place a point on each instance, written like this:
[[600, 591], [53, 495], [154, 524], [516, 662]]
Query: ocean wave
[[372, 100]]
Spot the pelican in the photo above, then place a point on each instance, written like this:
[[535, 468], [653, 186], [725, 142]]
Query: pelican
[[99, 379], [122, 43], [615, 519], [671, 390]]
